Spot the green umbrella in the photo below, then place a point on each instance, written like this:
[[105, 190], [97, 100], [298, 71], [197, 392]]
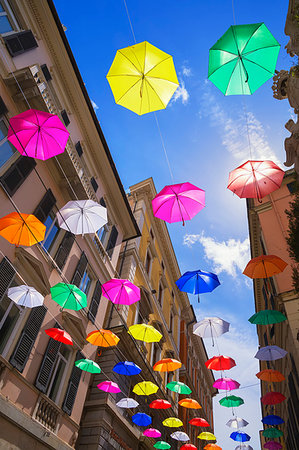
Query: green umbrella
[[68, 296], [231, 401], [267, 317], [162, 445], [243, 59], [272, 433], [88, 365], [178, 386]]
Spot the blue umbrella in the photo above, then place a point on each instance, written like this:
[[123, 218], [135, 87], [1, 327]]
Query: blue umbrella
[[272, 420], [127, 368], [197, 282], [141, 419], [240, 437]]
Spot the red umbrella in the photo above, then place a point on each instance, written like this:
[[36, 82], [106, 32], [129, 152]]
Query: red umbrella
[[272, 398], [199, 422], [160, 404], [188, 447], [255, 179], [220, 363], [59, 335]]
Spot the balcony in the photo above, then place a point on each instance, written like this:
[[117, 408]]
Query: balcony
[[47, 413]]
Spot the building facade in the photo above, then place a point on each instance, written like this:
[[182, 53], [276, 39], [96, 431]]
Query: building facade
[[150, 263], [268, 228], [41, 391]]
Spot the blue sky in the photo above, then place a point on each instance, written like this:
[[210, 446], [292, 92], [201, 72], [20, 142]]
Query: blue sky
[[205, 136]]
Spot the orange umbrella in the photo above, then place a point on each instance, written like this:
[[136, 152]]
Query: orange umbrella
[[22, 229], [264, 266], [270, 375], [212, 446], [189, 403], [102, 338], [167, 365]]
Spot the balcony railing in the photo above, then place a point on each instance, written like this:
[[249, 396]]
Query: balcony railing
[[47, 413]]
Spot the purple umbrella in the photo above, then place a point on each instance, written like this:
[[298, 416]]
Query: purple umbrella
[[121, 292], [228, 384], [270, 353], [273, 445]]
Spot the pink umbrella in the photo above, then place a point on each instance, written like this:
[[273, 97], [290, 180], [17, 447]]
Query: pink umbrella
[[227, 384], [273, 445], [178, 202], [152, 432], [37, 134], [109, 386], [121, 292]]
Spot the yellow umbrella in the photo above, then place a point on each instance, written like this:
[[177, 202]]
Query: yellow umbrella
[[145, 388], [145, 333], [207, 436], [142, 78], [172, 422]]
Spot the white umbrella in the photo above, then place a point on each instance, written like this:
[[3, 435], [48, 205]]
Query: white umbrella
[[82, 216], [211, 327], [127, 402], [270, 353], [25, 296], [180, 436], [244, 447], [237, 422]]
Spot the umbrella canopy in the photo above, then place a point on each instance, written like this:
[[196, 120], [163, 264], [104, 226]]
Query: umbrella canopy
[[162, 445], [126, 368], [273, 398], [188, 447], [199, 422], [172, 422], [197, 282], [178, 202], [264, 266], [141, 419], [127, 402], [270, 353], [244, 447], [212, 447], [160, 404], [82, 217], [38, 134], [167, 365], [145, 333], [240, 437], [228, 384], [152, 433], [68, 296], [180, 436], [179, 387], [231, 401], [189, 403], [22, 229], [59, 335], [121, 292], [237, 423], [243, 59], [273, 445], [206, 436], [267, 317], [109, 386], [142, 78], [145, 388], [25, 296], [272, 433], [270, 375], [88, 366], [272, 420], [255, 179], [220, 363], [102, 338], [211, 327]]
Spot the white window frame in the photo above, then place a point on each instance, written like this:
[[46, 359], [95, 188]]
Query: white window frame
[[9, 13], [59, 357], [15, 155], [152, 353], [148, 252]]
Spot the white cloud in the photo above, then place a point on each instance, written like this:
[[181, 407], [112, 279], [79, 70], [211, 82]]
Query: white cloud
[[94, 105], [228, 256], [181, 94], [186, 71]]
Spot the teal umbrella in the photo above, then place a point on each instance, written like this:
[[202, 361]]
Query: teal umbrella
[[267, 317], [88, 366], [272, 433], [68, 296], [243, 59]]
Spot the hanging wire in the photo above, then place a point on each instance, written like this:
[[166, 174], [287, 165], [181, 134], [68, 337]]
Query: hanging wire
[[130, 22], [234, 15]]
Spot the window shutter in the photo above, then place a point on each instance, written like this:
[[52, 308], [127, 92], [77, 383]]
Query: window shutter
[[45, 206], [72, 388], [27, 339], [80, 269], [94, 184], [46, 72], [79, 148], [7, 273], [65, 117], [95, 301], [18, 43], [102, 202], [3, 107], [112, 241], [47, 365], [17, 173], [64, 249]]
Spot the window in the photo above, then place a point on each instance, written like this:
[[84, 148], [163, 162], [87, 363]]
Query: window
[[85, 281], [156, 353], [151, 234], [10, 318], [160, 294], [148, 262], [102, 233], [7, 150], [162, 266], [52, 230], [44, 212], [169, 377], [57, 380], [8, 23], [171, 321]]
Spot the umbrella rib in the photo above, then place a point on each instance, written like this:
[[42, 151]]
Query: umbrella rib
[[261, 48], [231, 75], [251, 36], [222, 65], [252, 62], [131, 62], [148, 82], [125, 93], [167, 57]]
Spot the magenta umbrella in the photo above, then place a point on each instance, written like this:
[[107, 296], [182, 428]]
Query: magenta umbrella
[[178, 202], [37, 134], [273, 445], [109, 386], [121, 292], [228, 384], [152, 432]]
